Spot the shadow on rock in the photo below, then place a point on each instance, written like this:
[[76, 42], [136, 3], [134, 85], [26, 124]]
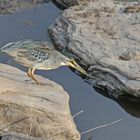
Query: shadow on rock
[[64, 4]]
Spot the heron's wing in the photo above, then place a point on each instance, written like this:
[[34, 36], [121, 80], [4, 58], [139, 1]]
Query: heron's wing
[[35, 54]]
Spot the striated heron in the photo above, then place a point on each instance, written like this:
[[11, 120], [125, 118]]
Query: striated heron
[[38, 55]]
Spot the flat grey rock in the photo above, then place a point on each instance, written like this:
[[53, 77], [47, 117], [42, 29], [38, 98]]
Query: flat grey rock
[[104, 35], [12, 6], [40, 111]]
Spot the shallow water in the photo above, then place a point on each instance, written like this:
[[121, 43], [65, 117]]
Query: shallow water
[[98, 109]]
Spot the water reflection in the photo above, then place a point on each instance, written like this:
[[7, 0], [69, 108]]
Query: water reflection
[[130, 104], [130, 107]]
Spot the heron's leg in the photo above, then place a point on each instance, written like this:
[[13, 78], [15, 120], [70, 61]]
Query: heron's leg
[[30, 73]]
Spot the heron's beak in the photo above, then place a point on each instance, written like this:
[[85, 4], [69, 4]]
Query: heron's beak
[[73, 64]]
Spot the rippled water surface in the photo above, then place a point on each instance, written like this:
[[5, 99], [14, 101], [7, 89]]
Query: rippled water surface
[[98, 109]]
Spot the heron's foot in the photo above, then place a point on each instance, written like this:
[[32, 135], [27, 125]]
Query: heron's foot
[[44, 84], [39, 83], [28, 80], [34, 81]]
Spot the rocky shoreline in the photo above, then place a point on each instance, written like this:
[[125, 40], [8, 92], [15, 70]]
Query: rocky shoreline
[[104, 36]]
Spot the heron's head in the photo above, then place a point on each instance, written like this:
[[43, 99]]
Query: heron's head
[[72, 63]]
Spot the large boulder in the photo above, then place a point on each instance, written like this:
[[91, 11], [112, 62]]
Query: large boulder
[[104, 35], [40, 111]]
